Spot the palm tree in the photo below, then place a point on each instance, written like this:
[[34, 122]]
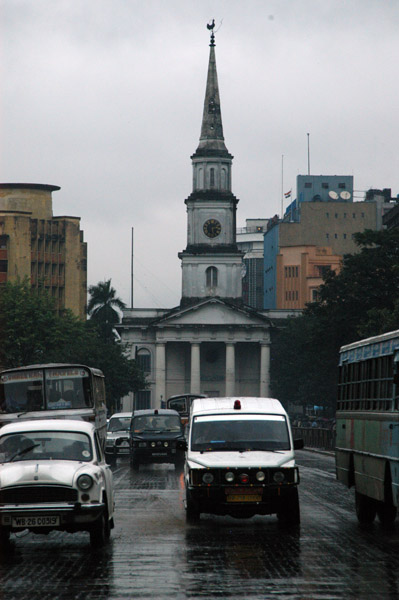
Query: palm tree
[[102, 307]]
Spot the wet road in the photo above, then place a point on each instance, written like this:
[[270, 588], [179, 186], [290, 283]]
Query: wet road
[[153, 553]]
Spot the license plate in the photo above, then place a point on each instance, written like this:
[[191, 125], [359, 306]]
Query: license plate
[[42, 521], [159, 453], [243, 498]]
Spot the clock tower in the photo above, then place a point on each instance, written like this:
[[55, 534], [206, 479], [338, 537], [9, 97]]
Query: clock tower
[[211, 263]]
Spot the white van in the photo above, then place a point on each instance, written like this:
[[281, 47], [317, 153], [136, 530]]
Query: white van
[[240, 459]]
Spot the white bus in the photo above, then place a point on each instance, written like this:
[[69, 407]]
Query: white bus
[[62, 391]]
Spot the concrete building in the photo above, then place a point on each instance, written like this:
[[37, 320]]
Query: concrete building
[[211, 343], [300, 272], [34, 243], [321, 220], [250, 243]]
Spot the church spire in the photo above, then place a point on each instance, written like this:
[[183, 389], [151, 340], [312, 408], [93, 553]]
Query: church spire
[[211, 138]]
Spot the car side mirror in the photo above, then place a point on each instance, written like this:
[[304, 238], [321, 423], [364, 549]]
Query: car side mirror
[[298, 444]]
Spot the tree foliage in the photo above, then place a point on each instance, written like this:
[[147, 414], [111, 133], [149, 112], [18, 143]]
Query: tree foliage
[[360, 301], [102, 308], [31, 332]]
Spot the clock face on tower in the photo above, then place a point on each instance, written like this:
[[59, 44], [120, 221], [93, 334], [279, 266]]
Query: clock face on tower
[[212, 228]]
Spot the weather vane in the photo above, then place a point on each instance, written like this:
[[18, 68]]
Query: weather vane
[[211, 27]]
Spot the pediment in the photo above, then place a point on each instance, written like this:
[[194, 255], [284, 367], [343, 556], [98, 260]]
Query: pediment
[[214, 312]]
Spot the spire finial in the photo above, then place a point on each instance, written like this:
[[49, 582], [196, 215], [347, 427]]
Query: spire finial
[[211, 27]]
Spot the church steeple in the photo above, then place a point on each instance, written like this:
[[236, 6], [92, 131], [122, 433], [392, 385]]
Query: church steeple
[[212, 128], [211, 262]]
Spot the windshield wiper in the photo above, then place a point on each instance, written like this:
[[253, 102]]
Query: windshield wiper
[[23, 451]]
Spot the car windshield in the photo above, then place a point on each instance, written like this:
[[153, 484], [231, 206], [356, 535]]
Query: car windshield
[[156, 423], [45, 445], [240, 432], [119, 424]]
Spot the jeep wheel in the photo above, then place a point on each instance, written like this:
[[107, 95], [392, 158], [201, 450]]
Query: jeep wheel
[[192, 509], [100, 530], [289, 513]]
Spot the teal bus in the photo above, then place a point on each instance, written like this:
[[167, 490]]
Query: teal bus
[[367, 422]]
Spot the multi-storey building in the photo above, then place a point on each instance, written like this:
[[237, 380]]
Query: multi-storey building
[[49, 250], [250, 242], [327, 219]]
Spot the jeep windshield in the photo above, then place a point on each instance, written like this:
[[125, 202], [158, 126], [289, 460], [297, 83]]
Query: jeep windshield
[[239, 433], [156, 424]]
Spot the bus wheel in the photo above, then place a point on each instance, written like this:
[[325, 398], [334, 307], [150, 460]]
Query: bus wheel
[[386, 513], [366, 508]]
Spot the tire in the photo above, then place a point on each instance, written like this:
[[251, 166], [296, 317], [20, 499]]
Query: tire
[[289, 513], [111, 459], [100, 531], [192, 509], [366, 508], [386, 513], [4, 537]]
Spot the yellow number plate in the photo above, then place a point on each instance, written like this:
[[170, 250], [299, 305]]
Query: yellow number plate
[[243, 498]]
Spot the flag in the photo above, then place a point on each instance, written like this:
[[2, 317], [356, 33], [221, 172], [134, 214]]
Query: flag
[[288, 194]]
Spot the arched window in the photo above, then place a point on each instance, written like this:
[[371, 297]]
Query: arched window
[[223, 182], [211, 277], [143, 358], [200, 181], [212, 178]]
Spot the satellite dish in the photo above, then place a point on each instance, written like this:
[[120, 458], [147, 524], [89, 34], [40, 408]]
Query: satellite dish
[[333, 195], [345, 195]]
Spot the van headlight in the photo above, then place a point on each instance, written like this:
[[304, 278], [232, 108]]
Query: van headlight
[[229, 476]]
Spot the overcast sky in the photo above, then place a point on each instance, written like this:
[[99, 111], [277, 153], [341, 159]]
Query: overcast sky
[[104, 98]]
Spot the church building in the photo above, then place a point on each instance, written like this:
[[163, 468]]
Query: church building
[[212, 343]]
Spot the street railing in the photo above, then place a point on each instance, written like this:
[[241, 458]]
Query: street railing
[[315, 437]]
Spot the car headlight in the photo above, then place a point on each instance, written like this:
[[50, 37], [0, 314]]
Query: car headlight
[[260, 476], [166, 444], [85, 482], [279, 477], [207, 477], [229, 476], [153, 444]]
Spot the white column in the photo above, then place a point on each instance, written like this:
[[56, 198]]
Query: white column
[[264, 371], [230, 370], [195, 382], [160, 374]]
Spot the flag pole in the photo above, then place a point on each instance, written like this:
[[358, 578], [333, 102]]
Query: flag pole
[[308, 154], [282, 185]]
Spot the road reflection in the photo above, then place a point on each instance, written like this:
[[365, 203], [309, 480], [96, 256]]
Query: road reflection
[[222, 552]]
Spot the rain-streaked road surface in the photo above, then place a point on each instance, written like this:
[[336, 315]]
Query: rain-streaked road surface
[[154, 554]]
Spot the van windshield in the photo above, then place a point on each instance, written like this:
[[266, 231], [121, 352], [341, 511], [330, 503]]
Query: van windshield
[[240, 432]]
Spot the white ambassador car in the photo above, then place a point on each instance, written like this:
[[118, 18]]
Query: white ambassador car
[[53, 475]]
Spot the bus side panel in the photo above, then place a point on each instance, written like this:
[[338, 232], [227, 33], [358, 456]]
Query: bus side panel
[[343, 467], [369, 476]]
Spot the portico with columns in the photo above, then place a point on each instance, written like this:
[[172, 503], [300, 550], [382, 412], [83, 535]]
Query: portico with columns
[[211, 343]]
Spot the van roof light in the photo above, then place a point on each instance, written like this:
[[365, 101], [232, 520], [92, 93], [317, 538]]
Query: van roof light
[[237, 405]]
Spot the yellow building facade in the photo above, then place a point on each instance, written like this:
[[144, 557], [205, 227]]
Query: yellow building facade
[[300, 273], [49, 250]]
